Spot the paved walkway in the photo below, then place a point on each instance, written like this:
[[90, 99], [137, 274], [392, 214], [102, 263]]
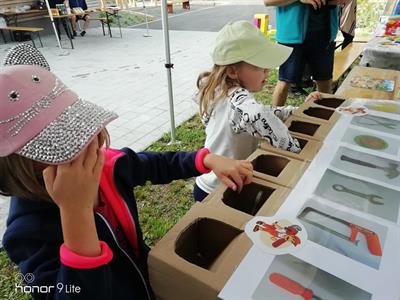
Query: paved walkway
[[128, 76]]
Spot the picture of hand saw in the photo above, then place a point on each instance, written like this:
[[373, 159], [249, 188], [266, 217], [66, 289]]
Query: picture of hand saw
[[327, 223]]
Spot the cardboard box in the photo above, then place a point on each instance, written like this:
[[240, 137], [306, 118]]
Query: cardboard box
[[198, 255], [330, 102], [276, 168], [259, 198], [307, 128], [309, 148], [317, 113]]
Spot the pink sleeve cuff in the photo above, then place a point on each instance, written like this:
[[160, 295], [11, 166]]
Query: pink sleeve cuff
[[199, 161], [73, 260]]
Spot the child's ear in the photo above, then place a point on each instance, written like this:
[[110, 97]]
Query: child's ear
[[232, 72]]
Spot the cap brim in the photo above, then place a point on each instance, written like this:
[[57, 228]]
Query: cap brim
[[65, 137], [272, 56]]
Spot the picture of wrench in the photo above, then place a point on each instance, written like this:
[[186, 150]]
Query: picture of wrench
[[375, 199]]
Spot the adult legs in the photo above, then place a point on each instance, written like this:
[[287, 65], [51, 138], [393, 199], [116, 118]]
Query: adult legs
[[280, 93], [324, 86], [289, 72], [86, 18], [74, 24], [320, 56]]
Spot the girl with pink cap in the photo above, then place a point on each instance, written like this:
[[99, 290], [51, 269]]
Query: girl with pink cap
[[73, 226]]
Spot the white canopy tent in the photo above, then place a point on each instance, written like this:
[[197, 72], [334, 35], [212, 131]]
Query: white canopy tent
[[52, 22]]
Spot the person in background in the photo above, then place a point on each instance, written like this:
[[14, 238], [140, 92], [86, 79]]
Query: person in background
[[309, 27], [76, 16]]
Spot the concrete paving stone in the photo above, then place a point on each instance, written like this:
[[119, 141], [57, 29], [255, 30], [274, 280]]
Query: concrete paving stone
[[148, 128]]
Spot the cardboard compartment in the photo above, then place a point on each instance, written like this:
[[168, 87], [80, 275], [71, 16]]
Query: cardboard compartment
[[260, 198], [317, 113], [198, 255], [193, 244], [320, 113], [308, 128], [309, 148], [276, 168], [330, 102], [249, 200]]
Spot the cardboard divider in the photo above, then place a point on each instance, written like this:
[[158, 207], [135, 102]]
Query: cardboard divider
[[309, 148], [276, 168], [308, 128], [259, 198], [198, 255], [330, 102], [316, 112], [193, 243]]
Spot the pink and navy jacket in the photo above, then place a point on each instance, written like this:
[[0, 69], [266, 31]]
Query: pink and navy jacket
[[34, 238]]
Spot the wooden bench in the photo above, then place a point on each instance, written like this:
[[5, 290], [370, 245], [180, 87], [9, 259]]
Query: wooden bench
[[103, 22], [345, 58], [170, 5], [30, 30]]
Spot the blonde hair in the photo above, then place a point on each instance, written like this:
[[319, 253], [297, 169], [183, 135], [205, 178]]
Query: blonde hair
[[23, 178], [208, 82]]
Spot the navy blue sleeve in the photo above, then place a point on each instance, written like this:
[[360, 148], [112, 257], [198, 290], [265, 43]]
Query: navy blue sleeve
[[32, 241], [156, 167]]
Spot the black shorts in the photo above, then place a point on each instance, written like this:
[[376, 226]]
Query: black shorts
[[80, 17], [316, 51]]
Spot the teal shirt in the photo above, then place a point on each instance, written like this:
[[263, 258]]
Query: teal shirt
[[292, 23]]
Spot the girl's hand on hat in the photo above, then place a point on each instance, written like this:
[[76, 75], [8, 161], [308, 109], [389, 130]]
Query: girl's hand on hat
[[75, 185], [74, 188], [233, 173]]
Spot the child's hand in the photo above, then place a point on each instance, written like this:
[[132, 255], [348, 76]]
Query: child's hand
[[313, 96], [233, 173], [75, 185]]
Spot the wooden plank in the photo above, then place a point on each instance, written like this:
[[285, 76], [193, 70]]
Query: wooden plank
[[345, 58], [347, 91], [20, 28], [11, 5], [177, 1]]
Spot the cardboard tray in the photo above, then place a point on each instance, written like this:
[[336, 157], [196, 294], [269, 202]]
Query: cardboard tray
[[316, 112], [309, 148], [198, 255], [259, 198], [279, 169], [307, 128]]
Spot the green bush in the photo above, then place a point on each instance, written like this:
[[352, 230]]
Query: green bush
[[368, 13]]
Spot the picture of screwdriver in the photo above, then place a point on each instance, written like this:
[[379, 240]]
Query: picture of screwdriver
[[292, 286]]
